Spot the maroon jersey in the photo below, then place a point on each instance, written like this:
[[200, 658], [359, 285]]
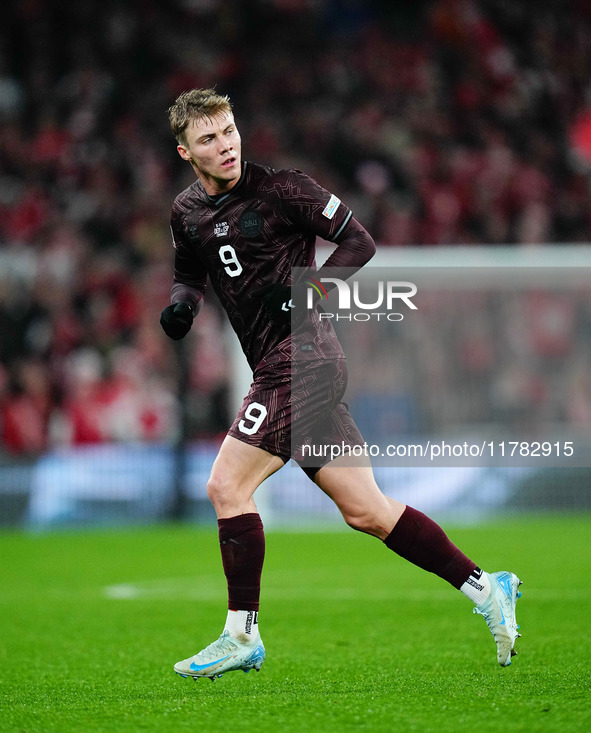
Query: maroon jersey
[[253, 235]]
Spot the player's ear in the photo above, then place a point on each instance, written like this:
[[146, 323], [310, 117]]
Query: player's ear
[[183, 152]]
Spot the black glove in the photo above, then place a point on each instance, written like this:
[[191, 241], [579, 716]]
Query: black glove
[[176, 320], [283, 303]]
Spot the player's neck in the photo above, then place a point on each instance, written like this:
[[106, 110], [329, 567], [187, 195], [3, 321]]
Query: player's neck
[[215, 187]]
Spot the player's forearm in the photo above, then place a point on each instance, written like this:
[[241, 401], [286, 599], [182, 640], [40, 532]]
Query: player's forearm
[[181, 293], [355, 247]]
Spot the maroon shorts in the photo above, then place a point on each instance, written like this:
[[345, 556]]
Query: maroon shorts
[[291, 405]]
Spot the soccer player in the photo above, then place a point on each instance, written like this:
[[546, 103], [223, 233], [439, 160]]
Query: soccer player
[[246, 226]]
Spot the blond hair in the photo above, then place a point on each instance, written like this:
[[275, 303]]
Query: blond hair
[[195, 104]]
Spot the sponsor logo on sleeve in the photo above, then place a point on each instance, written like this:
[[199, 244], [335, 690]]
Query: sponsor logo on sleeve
[[331, 207]]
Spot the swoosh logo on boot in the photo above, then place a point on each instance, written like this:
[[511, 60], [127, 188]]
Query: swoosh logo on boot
[[199, 667]]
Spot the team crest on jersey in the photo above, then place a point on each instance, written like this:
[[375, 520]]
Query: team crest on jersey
[[221, 229], [251, 224]]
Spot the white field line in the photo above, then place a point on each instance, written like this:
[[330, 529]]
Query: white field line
[[207, 588]]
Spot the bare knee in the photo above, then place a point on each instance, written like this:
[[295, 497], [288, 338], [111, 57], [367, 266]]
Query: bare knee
[[363, 506], [217, 489], [223, 494], [230, 496], [378, 521], [369, 523]]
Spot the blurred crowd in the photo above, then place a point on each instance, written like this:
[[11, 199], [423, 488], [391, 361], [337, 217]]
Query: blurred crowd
[[440, 122], [487, 358]]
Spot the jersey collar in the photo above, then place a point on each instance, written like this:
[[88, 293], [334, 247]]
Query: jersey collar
[[220, 197]]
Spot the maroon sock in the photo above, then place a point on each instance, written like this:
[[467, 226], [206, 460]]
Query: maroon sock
[[242, 542], [421, 541]]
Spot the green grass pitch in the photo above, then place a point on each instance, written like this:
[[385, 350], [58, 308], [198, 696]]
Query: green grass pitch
[[357, 640]]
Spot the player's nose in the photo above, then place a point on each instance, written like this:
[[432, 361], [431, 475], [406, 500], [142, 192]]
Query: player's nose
[[224, 146]]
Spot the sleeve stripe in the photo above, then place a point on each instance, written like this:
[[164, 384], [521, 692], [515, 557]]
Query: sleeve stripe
[[343, 225]]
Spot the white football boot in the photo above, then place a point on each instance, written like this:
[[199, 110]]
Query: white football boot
[[499, 613], [225, 654]]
